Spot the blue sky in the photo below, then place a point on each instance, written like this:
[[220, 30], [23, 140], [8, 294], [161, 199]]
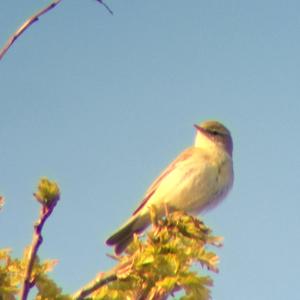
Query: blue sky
[[103, 103]]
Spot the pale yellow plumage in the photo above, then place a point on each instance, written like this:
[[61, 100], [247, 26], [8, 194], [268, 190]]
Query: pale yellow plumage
[[196, 180]]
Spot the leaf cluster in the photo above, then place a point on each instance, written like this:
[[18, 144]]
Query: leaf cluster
[[48, 192], [162, 264], [12, 272]]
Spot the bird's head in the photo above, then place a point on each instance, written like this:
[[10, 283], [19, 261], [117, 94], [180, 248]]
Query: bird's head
[[213, 133]]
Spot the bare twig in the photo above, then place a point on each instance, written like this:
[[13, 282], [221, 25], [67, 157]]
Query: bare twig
[[32, 20], [37, 240], [25, 26], [103, 279], [95, 284], [106, 6]]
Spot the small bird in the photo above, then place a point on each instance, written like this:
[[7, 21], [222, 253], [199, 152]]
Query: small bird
[[198, 179]]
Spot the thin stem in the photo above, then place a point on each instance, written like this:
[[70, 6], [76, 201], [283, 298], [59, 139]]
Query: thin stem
[[94, 285], [37, 240], [103, 279], [25, 26], [11, 40], [106, 6]]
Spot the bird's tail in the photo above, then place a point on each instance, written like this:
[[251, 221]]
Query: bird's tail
[[122, 238]]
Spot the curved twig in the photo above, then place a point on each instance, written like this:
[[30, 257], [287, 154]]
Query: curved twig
[[26, 25], [32, 20], [106, 6]]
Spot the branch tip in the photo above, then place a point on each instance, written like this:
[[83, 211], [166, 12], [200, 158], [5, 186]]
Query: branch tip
[[106, 6]]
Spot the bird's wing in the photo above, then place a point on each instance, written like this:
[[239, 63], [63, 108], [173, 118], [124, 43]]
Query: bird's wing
[[154, 186]]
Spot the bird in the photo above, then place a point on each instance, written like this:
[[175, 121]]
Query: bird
[[197, 180]]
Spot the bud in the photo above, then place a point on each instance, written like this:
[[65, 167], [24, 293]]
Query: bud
[[47, 192]]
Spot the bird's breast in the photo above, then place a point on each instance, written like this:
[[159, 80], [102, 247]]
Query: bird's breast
[[205, 181]]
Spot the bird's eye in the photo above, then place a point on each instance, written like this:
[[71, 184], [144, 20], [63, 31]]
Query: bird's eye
[[214, 132]]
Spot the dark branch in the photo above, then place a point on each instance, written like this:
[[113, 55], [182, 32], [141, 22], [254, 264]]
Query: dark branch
[[106, 6], [37, 240]]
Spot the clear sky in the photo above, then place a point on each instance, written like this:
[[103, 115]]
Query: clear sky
[[103, 103]]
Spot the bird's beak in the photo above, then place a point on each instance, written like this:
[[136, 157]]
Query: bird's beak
[[198, 128]]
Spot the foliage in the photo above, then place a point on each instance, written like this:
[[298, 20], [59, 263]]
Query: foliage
[[12, 274], [162, 265], [153, 267]]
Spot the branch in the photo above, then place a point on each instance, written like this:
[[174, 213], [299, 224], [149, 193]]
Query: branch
[[94, 285], [48, 195], [37, 240], [101, 280], [106, 6], [26, 25], [32, 20]]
